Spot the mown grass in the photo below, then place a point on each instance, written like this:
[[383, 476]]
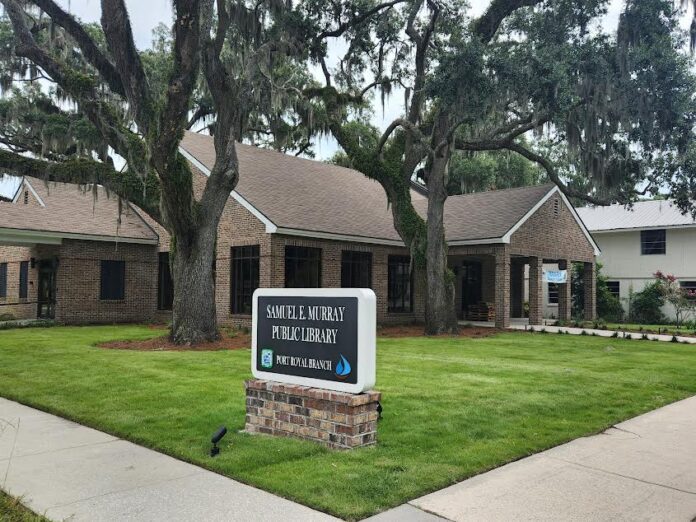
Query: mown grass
[[453, 407], [12, 510]]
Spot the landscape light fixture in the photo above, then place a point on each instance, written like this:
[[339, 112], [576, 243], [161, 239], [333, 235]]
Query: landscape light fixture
[[219, 434], [379, 410]]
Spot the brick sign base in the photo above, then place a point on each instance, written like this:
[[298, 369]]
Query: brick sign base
[[335, 419]]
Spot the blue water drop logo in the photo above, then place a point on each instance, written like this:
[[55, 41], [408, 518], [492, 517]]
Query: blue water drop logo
[[343, 368]]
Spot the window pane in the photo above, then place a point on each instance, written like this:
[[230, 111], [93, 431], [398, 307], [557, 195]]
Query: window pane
[[553, 293], [23, 279], [165, 285], [244, 278], [689, 288], [356, 269], [614, 287], [302, 267], [399, 294], [653, 242], [3, 280], [113, 280]]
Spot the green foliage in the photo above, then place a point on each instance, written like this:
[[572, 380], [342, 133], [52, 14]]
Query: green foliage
[[170, 400], [609, 306], [646, 306]]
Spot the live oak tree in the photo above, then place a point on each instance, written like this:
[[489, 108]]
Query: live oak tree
[[76, 96], [619, 104]]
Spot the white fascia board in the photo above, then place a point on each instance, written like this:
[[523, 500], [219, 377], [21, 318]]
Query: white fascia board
[[469, 242], [555, 190], [508, 235], [25, 183], [270, 226], [580, 223], [639, 229], [339, 237], [55, 238]]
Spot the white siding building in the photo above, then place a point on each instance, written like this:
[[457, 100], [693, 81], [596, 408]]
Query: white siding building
[[637, 242]]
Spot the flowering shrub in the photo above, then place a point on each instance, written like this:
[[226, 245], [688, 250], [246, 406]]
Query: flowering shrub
[[682, 299]]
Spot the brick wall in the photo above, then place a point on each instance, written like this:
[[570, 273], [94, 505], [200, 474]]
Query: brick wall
[[79, 277], [335, 419], [12, 304]]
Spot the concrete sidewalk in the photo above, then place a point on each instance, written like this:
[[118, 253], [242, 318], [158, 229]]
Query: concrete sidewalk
[[641, 469], [66, 471]]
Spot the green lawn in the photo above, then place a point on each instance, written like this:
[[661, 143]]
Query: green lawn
[[11, 510], [452, 407]]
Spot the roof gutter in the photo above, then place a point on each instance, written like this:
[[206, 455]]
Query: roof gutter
[[30, 237]]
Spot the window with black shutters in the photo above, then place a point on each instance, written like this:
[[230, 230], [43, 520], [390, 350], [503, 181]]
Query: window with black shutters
[[3, 280], [356, 269], [165, 285], [113, 280], [302, 267], [653, 242], [614, 287], [553, 293], [244, 278], [23, 279], [400, 282]]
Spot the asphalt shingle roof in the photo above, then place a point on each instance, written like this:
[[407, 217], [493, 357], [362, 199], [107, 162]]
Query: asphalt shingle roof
[[72, 210], [643, 214], [309, 195]]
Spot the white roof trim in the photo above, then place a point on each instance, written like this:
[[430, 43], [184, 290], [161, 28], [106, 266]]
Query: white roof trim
[[270, 226], [55, 238], [555, 190], [25, 182], [467, 242], [339, 237], [638, 229]]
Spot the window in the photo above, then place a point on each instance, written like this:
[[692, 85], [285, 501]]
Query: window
[[615, 288], [113, 280], [165, 285], [689, 288], [302, 267], [553, 293], [653, 242], [3, 280], [356, 269], [244, 278], [23, 279], [400, 281]]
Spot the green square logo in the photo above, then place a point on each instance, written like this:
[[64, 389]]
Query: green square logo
[[267, 358]]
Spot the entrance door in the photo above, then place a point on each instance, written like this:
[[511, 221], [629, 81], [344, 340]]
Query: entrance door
[[471, 285], [47, 289]]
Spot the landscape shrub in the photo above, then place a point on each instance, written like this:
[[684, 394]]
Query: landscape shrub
[[646, 305]]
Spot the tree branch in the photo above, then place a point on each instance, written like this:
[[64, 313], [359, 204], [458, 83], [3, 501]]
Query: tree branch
[[119, 36], [487, 25], [89, 49], [129, 186], [553, 175], [342, 28]]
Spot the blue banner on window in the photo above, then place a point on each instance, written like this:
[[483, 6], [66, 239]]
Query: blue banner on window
[[556, 276]]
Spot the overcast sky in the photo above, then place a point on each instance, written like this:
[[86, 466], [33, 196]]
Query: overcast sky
[[146, 14]]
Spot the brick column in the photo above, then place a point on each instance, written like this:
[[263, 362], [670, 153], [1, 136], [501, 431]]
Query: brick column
[[564, 295], [536, 292], [589, 279], [502, 288], [517, 289]]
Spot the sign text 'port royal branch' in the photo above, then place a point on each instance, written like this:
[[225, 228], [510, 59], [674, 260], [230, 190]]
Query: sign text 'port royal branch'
[[318, 337]]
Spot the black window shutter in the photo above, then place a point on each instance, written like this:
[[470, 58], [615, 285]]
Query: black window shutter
[[3, 280], [23, 279]]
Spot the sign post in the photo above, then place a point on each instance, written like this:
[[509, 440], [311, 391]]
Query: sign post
[[313, 358]]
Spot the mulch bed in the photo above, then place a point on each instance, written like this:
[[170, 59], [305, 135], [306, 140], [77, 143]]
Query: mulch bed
[[237, 341], [240, 340]]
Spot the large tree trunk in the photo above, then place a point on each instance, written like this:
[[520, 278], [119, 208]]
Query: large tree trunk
[[440, 311], [194, 318]]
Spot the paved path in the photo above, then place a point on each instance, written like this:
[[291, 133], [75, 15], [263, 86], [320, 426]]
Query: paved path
[[67, 471], [641, 469], [588, 331]]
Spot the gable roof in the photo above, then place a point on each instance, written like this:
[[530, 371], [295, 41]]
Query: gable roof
[[643, 215], [66, 211], [297, 196]]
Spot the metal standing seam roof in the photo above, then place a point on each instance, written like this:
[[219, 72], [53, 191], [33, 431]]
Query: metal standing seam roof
[[71, 210], [301, 194], [643, 214]]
